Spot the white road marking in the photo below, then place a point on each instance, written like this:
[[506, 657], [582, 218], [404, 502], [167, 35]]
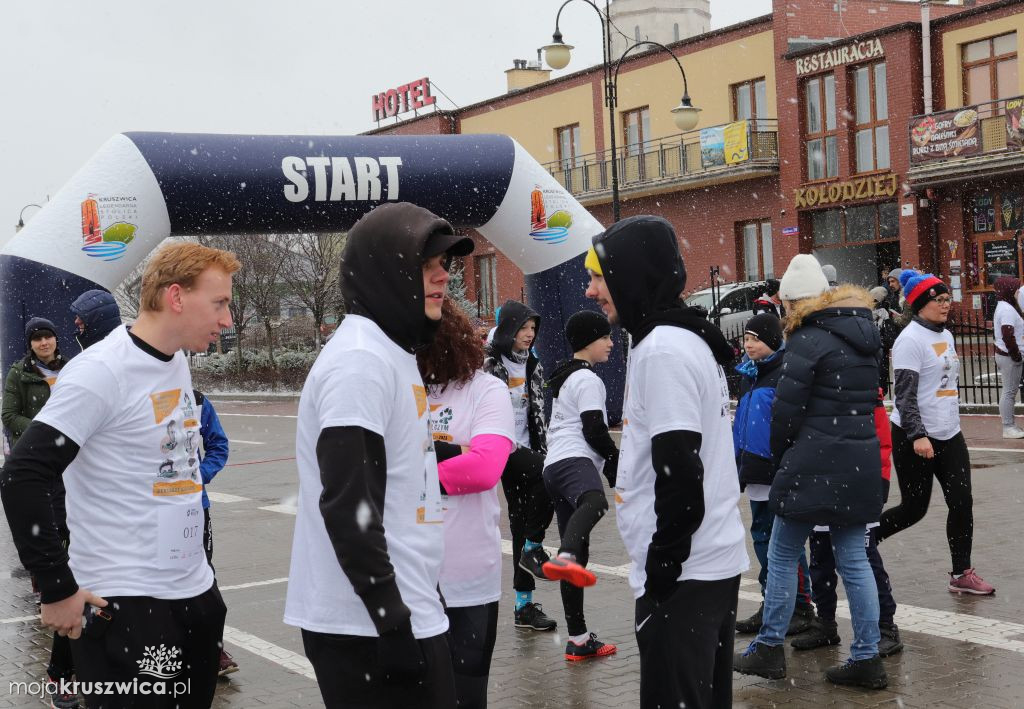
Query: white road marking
[[282, 509], [254, 584], [997, 450], [291, 661], [262, 416], [225, 497], [20, 619], [250, 443]]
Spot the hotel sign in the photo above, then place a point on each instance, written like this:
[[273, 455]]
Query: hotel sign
[[849, 191], [838, 56]]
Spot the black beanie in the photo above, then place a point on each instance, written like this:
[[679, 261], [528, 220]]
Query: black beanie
[[586, 327], [38, 325], [767, 328]]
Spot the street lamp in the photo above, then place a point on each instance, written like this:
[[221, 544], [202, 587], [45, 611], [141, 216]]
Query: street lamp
[[21, 223], [558, 53]]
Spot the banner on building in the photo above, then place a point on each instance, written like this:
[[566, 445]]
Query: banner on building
[[712, 146], [737, 142], [945, 135], [1015, 124]]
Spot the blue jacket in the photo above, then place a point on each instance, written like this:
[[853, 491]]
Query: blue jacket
[[751, 432], [215, 444]]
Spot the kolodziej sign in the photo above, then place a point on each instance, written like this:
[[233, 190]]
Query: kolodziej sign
[[849, 191]]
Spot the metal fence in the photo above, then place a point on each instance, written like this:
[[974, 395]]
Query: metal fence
[[975, 346]]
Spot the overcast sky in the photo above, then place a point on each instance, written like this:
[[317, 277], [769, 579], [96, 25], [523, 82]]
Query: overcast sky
[[74, 73]]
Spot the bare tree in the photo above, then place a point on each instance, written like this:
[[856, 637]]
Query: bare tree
[[262, 264], [129, 293], [241, 307], [310, 266]]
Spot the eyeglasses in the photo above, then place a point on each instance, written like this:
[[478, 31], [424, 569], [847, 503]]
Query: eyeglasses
[[944, 300]]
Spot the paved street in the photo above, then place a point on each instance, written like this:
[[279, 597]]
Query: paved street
[[959, 651]]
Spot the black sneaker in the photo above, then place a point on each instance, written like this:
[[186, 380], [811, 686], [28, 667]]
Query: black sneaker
[[533, 561], [803, 616], [821, 633], [592, 648], [751, 624], [859, 673], [531, 616], [761, 660], [890, 643]]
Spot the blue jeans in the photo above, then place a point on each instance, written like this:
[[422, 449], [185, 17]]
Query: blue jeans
[[761, 521], [787, 544]]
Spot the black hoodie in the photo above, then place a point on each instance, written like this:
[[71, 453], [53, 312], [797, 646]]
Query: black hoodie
[[823, 436], [513, 316]]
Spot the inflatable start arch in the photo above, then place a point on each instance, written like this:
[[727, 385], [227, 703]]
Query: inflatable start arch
[[143, 187]]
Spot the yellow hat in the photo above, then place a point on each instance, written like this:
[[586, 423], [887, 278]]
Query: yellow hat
[[592, 263]]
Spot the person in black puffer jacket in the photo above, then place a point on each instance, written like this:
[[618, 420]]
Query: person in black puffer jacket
[[828, 461], [96, 316]]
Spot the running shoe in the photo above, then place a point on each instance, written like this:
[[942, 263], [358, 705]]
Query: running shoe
[[970, 582], [533, 561], [227, 664], [591, 648], [565, 568], [532, 617], [59, 700]]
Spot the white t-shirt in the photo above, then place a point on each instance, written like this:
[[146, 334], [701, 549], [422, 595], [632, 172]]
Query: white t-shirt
[[361, 378], [582, 391], [519, 394], [1006, 315], [471, 571], [932, 355], [673, 384], [758, 493], [133, 491]]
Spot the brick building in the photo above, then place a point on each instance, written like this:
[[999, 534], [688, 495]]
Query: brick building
[[808, 120]]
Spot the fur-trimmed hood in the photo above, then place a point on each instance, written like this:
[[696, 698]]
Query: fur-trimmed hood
[[844, 296], [844, 312]]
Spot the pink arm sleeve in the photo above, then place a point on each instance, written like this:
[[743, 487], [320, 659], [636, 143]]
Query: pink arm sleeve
[[479, 468]]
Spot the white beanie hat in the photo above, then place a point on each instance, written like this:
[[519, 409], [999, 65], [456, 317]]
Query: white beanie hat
[[803, 279]]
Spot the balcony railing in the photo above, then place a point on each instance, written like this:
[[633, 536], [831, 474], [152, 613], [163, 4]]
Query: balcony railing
[[673, 159], [963, 134]]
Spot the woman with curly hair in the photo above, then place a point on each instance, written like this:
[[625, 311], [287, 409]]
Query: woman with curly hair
[[473, 431]]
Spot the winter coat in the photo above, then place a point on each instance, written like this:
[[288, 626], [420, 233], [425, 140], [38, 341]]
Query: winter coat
[[215, 443], [25, 394], [98, 311], [513, 316], [751, 431], [823, 438]]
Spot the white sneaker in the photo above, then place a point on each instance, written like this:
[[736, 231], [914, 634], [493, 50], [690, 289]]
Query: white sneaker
[[1012, 432]]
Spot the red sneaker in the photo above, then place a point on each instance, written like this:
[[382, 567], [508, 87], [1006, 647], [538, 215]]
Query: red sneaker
[[970, 582], [562, 568], [591, 648]]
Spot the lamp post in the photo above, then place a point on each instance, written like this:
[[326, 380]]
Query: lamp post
[[21, 222], [558, 54]]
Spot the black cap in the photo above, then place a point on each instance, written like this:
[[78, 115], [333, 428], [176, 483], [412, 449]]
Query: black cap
[[585, 327], [447, 242], [767, 328]]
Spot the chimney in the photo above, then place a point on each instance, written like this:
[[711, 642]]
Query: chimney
[[525, 74]]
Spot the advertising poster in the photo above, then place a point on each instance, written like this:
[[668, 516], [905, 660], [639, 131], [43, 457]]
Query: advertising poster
[[712, 146], [983, 211], [1015, 124], [737, 143], [945, 135], [1012, 204]]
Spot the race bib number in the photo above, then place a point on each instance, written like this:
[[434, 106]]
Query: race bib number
[[180, 535]]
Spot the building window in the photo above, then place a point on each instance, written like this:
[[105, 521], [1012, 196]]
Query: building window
[[871, 111], [486, 271], [568, 140], [636, 130], [820, 134], [990, 69], [756, 250], [859, 241], [750, 100]]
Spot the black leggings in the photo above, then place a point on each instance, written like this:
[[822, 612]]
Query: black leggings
[[574, 526], [472, 631], [529, 507], [952, 467]]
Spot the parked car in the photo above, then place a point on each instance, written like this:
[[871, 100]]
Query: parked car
[[735, 304]]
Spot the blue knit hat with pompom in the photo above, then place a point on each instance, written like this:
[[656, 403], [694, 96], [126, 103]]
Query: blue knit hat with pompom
[[920, 288]]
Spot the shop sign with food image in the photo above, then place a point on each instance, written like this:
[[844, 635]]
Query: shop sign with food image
[[950, 134]]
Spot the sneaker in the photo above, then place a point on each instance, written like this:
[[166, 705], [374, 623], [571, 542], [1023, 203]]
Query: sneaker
[[750, 625], [227, 664], [533, 561], [1012, 432], [821, 633], [565, 568], [59, 700], [890, 642], [591, 648], [761, 660], [970, 582], [859, 673], [803, 616], [532, 617]]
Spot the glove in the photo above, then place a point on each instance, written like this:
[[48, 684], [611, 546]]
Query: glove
[[661, 578], [399, 655], [611, 469]]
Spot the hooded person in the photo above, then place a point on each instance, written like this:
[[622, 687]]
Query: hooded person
[[509, 357], [368, 539], [894, 298], [676, 493], [96, 315], [828, 464]]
